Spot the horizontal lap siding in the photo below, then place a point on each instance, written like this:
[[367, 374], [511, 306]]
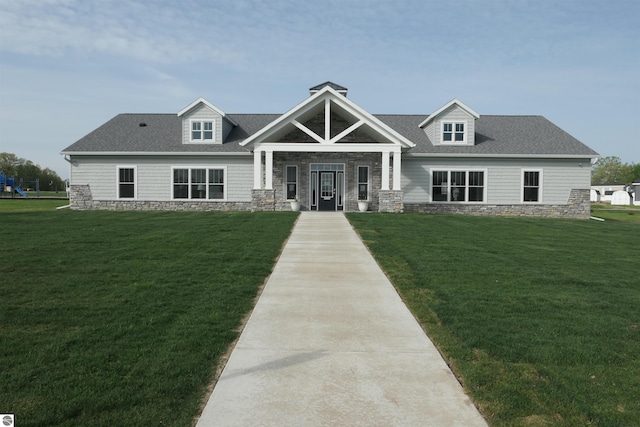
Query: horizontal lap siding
[[503, 177], [154, 176], [99, 174], [558, 181], [416, 180]]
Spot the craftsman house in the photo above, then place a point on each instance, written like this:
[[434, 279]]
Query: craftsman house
[[327, 154]]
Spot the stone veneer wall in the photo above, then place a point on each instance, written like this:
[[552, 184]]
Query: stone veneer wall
[[80, 198], [578, 206]]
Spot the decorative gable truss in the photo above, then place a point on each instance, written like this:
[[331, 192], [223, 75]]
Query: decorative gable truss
[[327, 118], [326, 122], [453, 124], [204, 123]]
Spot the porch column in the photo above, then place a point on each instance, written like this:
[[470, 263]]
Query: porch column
[[257, 170], [385, 171], [268, 176], [397, 172]]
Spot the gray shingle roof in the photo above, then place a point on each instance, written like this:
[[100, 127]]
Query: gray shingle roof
[[495, 135]]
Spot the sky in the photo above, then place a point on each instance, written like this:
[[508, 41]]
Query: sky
[[68, 66]]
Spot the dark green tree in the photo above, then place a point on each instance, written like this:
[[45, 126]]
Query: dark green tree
[[611, 170]]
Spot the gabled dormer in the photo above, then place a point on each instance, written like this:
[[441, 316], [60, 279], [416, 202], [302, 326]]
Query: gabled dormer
[[453, 124], [204, 123]]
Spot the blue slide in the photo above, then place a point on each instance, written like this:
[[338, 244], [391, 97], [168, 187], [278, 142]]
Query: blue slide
[[19, 191]]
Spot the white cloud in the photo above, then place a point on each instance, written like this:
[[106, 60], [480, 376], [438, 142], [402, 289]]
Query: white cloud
[[128, 29]]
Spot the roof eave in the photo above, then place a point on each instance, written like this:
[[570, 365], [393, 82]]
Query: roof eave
[[155, 153], [508, 156]]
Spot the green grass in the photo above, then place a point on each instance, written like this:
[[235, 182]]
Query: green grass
[[30, 205], [540, 318], [616, 213], [120, 318], [33, 194]]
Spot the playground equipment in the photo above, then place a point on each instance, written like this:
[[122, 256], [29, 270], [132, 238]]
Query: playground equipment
[[8, 184]]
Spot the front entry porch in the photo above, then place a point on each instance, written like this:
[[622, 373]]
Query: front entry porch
[[330, 182]]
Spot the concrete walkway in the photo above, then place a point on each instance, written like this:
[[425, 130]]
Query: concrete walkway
[[330, 343]]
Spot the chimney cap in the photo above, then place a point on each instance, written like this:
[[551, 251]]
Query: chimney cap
[[340, 89]]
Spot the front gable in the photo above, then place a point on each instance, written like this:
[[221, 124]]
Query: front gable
[[325, 119], [204, 123], [453, 124]]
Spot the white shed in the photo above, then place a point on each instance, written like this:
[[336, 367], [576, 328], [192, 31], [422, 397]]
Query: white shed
[[620, 197]]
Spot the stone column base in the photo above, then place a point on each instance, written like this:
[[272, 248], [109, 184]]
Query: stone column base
[[391, 201], [263, 200]]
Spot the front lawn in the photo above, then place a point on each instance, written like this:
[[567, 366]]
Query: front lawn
[[120, 318], [540, 318], [616, 212], [29, 205]]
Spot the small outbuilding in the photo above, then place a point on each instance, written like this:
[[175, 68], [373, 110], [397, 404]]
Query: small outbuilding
[[621, 197]]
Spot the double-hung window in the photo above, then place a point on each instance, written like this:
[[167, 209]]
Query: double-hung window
[[531, 186], [457, 186], [292, 182], [453, 132], [201, 131], [363, 183], [199, 183], [126, 182], [216, 184]]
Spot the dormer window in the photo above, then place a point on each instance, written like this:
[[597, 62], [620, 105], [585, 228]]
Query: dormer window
[[201, 131], [453, 132]]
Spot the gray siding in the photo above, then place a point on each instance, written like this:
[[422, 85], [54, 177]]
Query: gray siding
[[503, 178], [154, 176]]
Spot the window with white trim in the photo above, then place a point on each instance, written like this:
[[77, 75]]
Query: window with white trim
[[363, 183], [453, 132], [126, 182], [457, 186], [531, 186], [201, 130], [199, 183], [291, 184]]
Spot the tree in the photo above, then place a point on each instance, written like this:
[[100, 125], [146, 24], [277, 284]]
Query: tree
[[8, 163], [25, 170], [611, 170], [635, 171]]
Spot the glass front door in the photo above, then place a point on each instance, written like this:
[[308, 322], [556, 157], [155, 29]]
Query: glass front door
[[327, 186], [327, 191]]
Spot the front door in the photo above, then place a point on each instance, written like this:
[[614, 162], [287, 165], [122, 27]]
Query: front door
[[327, 191]]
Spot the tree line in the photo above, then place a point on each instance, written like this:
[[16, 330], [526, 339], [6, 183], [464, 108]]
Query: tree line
[[611, 170], [18, 168]]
